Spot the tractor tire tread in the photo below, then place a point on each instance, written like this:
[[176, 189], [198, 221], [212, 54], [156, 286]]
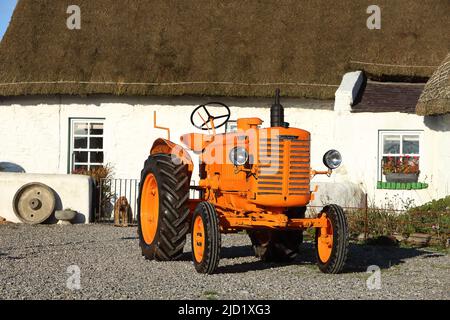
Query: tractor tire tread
[[340, 241], [173, 186], [211, 256]]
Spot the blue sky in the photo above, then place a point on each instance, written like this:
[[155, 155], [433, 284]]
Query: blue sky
[[6, 10]]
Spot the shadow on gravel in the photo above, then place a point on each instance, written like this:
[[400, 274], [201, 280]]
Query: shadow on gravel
[[360, 257], [129, 238], [306, 257], [14, 258], [8, 257], [250, 266], [432, 255], [225, 253], [236, 252]]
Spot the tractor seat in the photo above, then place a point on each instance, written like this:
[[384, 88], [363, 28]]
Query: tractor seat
[[196, 142]]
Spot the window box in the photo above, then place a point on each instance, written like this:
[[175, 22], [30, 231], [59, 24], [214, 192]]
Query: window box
[[402, 177], [399, 160]]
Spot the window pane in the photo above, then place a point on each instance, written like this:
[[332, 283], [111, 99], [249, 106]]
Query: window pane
[[391, 144], [79, 169], [97, 128], [231, 126], [96, 143], [96, 157], [411, 144], [80, 143], [80, 128], [81, 156]]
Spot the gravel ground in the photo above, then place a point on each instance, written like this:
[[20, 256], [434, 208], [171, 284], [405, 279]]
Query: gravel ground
[[34, 261]]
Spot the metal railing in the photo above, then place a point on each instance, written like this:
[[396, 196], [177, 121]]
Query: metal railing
[[109, 191]]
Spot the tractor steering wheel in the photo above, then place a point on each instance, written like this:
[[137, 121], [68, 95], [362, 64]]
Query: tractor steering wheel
[[208, 117]]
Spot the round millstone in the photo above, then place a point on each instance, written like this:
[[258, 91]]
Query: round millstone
[[34, 203]]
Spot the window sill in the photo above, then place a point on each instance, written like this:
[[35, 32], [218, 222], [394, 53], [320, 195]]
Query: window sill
[[402, 186]]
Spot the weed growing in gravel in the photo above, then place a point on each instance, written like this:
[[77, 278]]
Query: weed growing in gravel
[[211, 295]]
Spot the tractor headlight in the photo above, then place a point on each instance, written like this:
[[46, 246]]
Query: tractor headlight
[[239, 156], [332, 159]]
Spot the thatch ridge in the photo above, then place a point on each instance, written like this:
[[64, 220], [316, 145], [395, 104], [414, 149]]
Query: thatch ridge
[[435, 98], [225, 48]]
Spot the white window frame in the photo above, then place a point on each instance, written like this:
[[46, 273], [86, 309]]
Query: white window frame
[[72, 137], [401, 133], [228, 126]]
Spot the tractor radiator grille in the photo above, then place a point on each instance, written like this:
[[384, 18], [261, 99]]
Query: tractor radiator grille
[[299, 168], [283, 173], [270, 175]]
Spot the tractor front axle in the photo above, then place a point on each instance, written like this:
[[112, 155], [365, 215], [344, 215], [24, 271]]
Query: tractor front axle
[[271, 221]]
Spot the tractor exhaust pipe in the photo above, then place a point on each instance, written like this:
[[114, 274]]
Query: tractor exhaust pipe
[[277, 113]]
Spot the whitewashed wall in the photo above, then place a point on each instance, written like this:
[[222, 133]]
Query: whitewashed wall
[[72, 191], [34, 133]]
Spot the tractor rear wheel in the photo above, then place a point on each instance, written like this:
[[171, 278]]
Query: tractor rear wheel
[[162, 208], [278, 245], [332, 241], [205, 238]]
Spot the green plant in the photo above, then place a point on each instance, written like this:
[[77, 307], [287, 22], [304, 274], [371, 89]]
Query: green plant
[[404, 164], [102, 193], [97, 173], [211, 295], [442, 204], [381, 222]]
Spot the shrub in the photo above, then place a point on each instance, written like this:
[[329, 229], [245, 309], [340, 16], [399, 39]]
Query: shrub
[[102, 192], [442, 204], [382, 222]]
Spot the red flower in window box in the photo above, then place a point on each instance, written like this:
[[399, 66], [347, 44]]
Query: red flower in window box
[[401, 169]]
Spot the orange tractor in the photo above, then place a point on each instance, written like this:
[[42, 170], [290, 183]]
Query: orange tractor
[[253, 179]]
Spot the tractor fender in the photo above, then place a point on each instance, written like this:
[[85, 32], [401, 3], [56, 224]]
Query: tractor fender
[[168, 147]]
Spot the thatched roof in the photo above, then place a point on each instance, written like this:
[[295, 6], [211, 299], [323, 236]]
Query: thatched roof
[[435, 98], [214, 47]]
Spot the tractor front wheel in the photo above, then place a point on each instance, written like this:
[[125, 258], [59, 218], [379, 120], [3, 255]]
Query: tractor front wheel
[[332, 240], [205, 238], [162, 208]]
